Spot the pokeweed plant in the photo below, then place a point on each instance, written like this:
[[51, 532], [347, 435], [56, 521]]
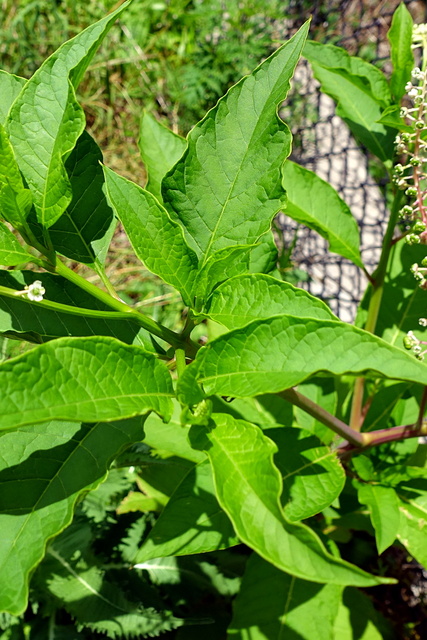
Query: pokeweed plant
[[293, 428]]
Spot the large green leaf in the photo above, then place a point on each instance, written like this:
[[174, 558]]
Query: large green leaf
[[191, 522], [393, 404], [226, 188], [313, 202], [160, 149], [272, 605], [83, 379], [321, 391], [96, 602], [221, 265], [11, 252], [280, 352], [66, 310], [264, 255], [83, 233], [242, 299], [360, 90], [403, 302], [15, 199], [45, 120], [157, 240], [248, 487], [383, 508], [312, 474], [358, 620], [10, 87], [170, 437], [43, 471], [412, 498], [400, 37]]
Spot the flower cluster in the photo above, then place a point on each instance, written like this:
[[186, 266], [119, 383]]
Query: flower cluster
[[411, 175], [412, 343]]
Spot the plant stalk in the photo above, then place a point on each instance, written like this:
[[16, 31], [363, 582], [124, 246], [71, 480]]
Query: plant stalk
[[377, 284], [298, 399], [146, 322], [402, 432]]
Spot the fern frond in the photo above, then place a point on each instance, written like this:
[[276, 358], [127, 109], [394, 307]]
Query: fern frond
[[100, 605]]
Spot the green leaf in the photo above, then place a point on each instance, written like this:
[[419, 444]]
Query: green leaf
[[226, 188], [400, 37], [392, 405], [43, 471], [170, 437], [313, 202], [83, 233], [160, 149], [358, 620], [10, 87], [96, 379], [94, 600], [242, 299], [160, 475], [280, 352], [403, 302], [45, 120], [222, 265], [272, 605], [312, 474], [383, 510], [361, 92], [11, 252], [66, 310], [264, 255], [192, 521], [156, 239], [391, 118], [248, 488], [412, 498], [15, 199], [322, 392]]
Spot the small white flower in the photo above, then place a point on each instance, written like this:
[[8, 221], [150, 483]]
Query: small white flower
[[35, 291], [423, 322]]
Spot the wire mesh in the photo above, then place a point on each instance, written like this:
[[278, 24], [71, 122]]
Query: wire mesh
[[324, 144]]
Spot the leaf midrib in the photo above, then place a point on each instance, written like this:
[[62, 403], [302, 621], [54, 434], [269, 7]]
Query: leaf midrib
[[248, 146]]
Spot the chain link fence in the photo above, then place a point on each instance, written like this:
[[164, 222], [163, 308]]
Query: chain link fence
[[324, 144]]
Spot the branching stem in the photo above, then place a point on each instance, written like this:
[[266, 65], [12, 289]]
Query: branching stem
[[354, 440], [377, 285], [157, 329], [295, 397]]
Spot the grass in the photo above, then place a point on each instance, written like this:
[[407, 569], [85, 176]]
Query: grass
[[173, 58]]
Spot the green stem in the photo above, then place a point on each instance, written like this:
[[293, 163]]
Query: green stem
[[379, 274], [146, 322], [355, 441], [422, 410], [65, 308], [377, 284], [106, 281], [353, 437], [180, 361], [356, 419], [402, 432]]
